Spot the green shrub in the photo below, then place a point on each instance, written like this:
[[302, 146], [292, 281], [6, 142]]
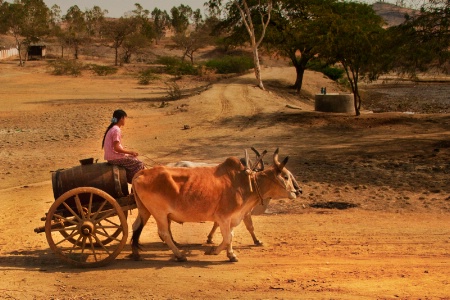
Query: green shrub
[[173, 90], [66, 67], [168, 60], [174, 66], [102, 70], [331, 72], [146, 76], [230, 64], [185, 68]]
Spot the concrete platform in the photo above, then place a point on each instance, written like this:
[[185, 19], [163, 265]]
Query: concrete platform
[[334, 102]]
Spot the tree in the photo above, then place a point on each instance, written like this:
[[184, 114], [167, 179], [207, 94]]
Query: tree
[[180, 17], [161, 21], [55, 27], [355, 40], [247, 11], [132, 44], [94, 18], [422, 42], [192, 33], [76, 32], [26, 20], [117, 30], [191, 42], [295, 31], [3, 17], [143, 24]]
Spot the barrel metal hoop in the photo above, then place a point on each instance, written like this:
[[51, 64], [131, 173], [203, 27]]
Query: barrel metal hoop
[[117, 185]]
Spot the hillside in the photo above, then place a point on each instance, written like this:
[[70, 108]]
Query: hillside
[[391, 13]]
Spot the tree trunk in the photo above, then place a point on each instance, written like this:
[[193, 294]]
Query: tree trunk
[[76, 51], [300, 66], [21, 61], [353, 79], [116, 58], [356, 99], [257, 68], [245, 13], [299, 80]]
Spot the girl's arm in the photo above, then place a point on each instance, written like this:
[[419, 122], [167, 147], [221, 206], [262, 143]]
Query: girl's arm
[[118, 148]]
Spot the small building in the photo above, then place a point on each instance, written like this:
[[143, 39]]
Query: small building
[[37, 51]]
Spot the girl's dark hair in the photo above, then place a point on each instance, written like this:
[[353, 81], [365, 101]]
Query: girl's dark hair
[[117, 115]]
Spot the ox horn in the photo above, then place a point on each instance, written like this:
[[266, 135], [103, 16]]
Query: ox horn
[[247, 163], [258, 156], [248, 171], [279, 165]]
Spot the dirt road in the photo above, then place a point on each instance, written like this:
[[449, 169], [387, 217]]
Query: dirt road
[[389, 170]]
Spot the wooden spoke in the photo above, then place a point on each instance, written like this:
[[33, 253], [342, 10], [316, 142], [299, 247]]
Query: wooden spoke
[[71, 211], [70, 236]]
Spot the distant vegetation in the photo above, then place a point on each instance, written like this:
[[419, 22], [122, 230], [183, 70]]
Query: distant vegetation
[[102, 70], [230, 64], [66, 67], [332, 72], [349, 36]]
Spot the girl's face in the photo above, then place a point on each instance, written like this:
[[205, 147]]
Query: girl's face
[[121, 122]]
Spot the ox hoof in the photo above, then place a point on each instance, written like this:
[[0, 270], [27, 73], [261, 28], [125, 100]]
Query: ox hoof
[[181, 259], [210, 251], [233, 259], [209, 241], [134, 256], [259, 243]]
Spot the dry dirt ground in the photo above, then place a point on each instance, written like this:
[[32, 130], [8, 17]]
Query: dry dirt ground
[[372, 223]]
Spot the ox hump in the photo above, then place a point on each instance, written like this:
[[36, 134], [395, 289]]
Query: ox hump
[[231, 164]]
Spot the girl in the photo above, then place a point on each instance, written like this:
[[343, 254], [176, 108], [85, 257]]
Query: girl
[[114, 152]]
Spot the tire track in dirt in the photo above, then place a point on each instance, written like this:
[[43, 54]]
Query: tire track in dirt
[[242, 108], [224, 103]]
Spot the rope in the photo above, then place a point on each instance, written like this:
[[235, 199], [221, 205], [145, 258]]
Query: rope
[[252, 175], [257, 188], [152, 160]]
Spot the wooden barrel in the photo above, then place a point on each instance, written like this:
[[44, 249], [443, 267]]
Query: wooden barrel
[[109, 178]]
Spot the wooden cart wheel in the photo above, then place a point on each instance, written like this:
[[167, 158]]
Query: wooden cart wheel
[[104, 240], [81, 222]]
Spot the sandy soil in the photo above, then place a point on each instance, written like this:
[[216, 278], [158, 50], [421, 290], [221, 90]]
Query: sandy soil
[[372, 223]]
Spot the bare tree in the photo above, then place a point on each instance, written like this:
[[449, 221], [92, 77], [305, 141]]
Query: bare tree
[[263, 9]]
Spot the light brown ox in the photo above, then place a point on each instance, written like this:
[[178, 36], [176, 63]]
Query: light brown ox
[[219, 194], [248, 217], [258, 209]]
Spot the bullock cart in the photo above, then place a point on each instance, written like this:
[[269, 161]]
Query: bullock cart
[[87, 226]]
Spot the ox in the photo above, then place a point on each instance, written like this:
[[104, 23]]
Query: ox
[[248, 217], [221, 194]]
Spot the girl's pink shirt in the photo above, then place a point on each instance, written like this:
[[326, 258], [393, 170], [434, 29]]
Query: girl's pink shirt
[[113, 135]]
